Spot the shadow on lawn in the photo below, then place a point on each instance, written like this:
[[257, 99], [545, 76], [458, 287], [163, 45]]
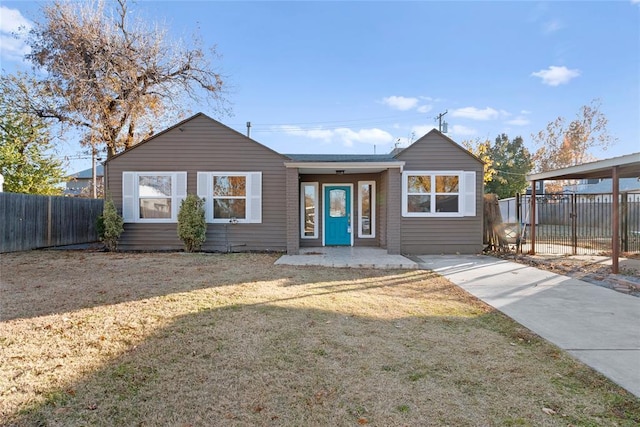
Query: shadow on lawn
[[266, 364], [40, 283]]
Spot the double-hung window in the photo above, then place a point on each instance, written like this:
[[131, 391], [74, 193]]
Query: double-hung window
[[152, 196], [231, 196], [438, 193]]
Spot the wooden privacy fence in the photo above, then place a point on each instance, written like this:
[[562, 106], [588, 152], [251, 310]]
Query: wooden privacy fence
[[30, 222]]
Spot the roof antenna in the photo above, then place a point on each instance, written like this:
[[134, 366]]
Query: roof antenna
[[248, 129], [442, 126]]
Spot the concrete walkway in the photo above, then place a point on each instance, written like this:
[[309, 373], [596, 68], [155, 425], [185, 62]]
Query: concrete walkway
[[345, 256], [598, 326]]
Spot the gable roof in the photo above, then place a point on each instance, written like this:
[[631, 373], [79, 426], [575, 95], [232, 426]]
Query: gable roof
[[605, 186], [185, 121], [88, 173], [444, 137]]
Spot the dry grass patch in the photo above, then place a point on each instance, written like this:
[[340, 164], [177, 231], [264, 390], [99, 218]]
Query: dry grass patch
[[176, 339]]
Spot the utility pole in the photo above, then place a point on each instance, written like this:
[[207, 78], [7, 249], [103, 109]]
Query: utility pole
[[442, 125], [94, 174]]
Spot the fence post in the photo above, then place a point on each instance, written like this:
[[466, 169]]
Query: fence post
[[624, 218], [574, 226], [49, 225], [532, 218]]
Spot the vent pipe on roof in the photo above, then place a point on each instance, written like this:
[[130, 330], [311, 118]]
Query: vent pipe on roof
[[248, 129]]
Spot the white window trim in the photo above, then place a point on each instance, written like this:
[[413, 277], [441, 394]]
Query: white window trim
[[302, 213], [372, 219], [253, 196], [462, 194], [131, 213]]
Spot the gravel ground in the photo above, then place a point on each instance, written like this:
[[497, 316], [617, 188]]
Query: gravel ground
[[594, 269]]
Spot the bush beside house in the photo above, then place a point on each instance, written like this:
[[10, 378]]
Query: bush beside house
[[192, 225], [110, 226]]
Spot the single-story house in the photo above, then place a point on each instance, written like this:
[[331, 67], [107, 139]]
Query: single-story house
[[424, 199], [80, 183]]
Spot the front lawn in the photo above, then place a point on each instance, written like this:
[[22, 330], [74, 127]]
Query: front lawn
[[155, 339]]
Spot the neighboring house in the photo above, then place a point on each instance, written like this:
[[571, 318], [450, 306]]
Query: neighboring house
[[425, 199], [600, 190], [80, 183]]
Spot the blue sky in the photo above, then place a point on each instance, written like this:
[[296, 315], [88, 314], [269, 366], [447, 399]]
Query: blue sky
[[354, 77]]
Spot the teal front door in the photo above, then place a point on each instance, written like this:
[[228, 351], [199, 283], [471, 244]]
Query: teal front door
[[337, 215]]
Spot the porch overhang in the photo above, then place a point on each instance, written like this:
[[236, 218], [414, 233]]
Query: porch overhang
[[339, 168]]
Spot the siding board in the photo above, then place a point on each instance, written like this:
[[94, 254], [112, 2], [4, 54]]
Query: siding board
[[431, 235], [203, 145]]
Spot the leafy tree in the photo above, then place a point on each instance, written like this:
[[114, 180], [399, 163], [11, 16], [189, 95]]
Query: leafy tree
[[511, 161], [192, 226], [26, 161], [562, 145], [481, 150], [114, 78], [506, 164]]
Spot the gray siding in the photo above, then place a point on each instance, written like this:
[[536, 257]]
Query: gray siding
[[293, 212], [394, 211], [202, 144], [344, 179], [442, 235]]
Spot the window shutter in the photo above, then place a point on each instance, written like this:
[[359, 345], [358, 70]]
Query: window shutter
[[181, 191], [204, 191], [469, 196], [254, 197], [128, 196], [405, 180]]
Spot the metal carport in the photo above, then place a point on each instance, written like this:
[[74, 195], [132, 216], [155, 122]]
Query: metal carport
[[627, 166]]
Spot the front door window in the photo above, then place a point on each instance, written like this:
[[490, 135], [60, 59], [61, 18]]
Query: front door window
[[338, 203]]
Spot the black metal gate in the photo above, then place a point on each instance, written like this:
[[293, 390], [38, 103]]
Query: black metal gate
[[579, 224]]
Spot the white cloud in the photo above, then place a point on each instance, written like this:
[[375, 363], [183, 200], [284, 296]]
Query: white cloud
[[527, 111], [323, 134], [12, 21], [519, 121], [635, 1], [460, 130], [400, 102], [552, 26], [474, 113], [346, 136], [372, 136], [421, 130], [13, 28], [425, 108], [555, 76]]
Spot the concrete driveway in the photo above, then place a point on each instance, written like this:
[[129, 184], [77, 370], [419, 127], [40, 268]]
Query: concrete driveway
[[598, 326]]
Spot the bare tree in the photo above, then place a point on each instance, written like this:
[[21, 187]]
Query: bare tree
[[114, 78], [561, 145]]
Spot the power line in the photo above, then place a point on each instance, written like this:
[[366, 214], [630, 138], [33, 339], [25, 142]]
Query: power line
[[322, 125]]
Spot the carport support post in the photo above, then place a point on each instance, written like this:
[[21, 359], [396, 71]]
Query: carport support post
[[532, 218], [615, 223]]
